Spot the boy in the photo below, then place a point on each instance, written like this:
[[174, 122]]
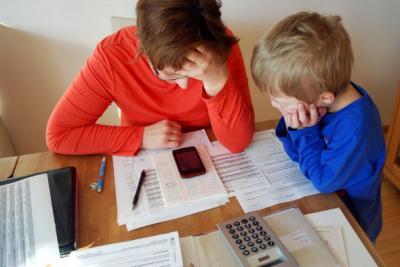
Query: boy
[[330, 126]]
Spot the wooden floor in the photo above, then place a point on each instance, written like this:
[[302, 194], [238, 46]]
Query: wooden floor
[[388, 243]]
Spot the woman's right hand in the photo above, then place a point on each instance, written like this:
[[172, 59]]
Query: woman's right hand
[[162, 134]]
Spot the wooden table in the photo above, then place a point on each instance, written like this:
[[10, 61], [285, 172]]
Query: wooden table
[[7, 166], [97, 212]]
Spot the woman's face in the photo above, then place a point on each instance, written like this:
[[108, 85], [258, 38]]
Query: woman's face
[[169, 75]]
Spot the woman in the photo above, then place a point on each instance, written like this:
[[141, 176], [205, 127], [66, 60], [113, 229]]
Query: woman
[[179, 69]]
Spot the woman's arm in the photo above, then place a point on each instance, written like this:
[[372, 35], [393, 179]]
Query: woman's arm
[[231, 110], [72, 127]]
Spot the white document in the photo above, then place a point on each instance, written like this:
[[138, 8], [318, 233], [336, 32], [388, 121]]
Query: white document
[[286, 182], [177, 191], [357, 254], [155, 251], [208, 250], [264, 197], [300, 238], [268, 154], [127, 172], [27, 228], [151, 207], [171, 214], [237, 171], [296, 240], [333, 238]]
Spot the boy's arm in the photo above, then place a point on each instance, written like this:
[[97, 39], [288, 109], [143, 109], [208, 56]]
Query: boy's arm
[[282, 133], [231, 110], [334, 166]]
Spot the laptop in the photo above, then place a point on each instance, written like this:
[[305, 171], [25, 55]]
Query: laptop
[[38, 217]]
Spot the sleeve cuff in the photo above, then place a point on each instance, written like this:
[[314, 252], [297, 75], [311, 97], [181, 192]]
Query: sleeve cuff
[[297, 133], [281, 130], [139, 140], [131, 145]]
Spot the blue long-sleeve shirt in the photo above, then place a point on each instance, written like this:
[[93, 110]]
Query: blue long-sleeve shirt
[[344, 151]]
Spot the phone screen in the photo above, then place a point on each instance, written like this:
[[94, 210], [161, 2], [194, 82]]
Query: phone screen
[[188, 162]]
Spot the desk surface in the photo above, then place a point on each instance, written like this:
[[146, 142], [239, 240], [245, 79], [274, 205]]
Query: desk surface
[[97, 212], [7, 166]]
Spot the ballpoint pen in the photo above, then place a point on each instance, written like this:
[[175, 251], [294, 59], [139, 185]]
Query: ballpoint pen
[[138, 188], [101, 175]]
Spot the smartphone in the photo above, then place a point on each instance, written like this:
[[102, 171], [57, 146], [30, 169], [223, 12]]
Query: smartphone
[[188, 161]]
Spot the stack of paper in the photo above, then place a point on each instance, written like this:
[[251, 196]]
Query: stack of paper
[[157, 203]]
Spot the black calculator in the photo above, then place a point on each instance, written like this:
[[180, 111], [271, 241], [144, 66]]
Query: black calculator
[[253, 243]]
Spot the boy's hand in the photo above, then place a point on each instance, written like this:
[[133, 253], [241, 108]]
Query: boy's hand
[[300, 118]]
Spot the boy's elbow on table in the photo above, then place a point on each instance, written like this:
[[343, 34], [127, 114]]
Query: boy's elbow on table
[[324, 188]]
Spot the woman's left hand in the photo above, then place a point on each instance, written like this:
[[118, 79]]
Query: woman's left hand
[[201, 65]]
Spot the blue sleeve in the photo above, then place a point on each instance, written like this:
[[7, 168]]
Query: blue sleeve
[[282, 133], [335, 166]]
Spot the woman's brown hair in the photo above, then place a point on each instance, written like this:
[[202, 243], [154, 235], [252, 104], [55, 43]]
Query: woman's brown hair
[[169, 29]]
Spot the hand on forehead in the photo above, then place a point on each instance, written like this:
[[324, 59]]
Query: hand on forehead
[[197, 62], [198, 53], [196, 56]]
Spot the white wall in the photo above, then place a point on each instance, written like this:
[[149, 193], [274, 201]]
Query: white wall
[[47, 41], [43, 45], [374, 28]]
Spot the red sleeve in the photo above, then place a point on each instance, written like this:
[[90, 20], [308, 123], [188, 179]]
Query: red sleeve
[[231, 110], [72, 127]]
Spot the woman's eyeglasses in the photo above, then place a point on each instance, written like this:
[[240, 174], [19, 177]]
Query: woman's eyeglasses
[[166, 77]]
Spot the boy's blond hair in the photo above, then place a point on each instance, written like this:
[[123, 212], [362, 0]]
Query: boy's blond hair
[[304, 55]]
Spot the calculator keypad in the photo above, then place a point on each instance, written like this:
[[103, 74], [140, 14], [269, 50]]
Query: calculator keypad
[[249, 235], [254, 243]]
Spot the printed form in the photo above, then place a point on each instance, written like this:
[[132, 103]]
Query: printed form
[[27, 228], [178, 191], [151, 208], [263, 175], [237, 171], [155, 251]]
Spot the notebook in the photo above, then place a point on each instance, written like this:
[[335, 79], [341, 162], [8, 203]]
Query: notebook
[[299, 237]]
